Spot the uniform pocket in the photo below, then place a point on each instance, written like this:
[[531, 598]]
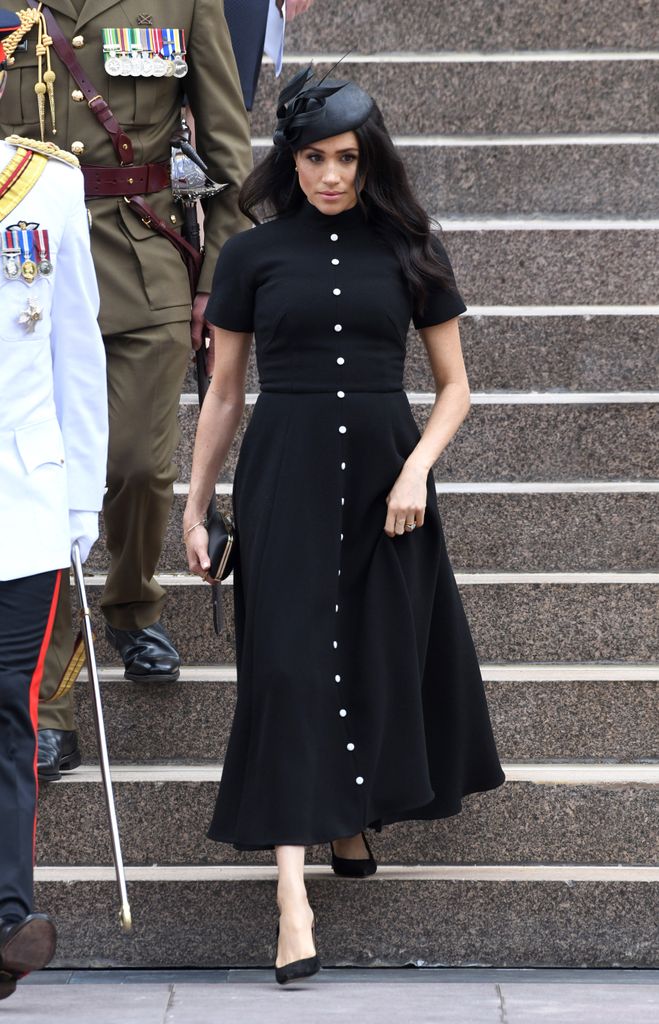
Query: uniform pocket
[[164, 275], [137, 102], [40, 444]]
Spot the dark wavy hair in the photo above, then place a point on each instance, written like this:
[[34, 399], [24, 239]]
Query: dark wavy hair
[[384, 193]]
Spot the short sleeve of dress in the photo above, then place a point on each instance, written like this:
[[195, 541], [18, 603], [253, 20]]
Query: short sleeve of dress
[[441, 303], [231, 302]]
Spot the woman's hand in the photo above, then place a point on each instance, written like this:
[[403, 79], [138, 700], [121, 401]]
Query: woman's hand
[[195, 538], [406, 502]]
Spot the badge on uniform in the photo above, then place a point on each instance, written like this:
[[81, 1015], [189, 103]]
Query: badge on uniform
[[31, 316], [144, 52], [25, 252]]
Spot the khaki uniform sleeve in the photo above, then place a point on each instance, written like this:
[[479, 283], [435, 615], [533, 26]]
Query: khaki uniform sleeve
[[221, 125]]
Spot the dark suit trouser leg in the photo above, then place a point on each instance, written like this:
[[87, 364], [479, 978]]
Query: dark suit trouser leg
[[27, 611], [247, 21], [60, 714], [145, 374]]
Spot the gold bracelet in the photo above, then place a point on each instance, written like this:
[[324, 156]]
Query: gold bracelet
[[202, 522]]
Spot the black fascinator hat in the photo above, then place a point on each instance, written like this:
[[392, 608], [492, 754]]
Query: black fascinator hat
[[308, 111]]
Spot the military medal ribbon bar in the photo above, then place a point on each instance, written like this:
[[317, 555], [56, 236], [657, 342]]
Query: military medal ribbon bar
[[144, 52], [25, 253], [42, 245]]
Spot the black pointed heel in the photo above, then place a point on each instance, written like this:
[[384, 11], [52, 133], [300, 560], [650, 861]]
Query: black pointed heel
[[298, 969], [362, 867]]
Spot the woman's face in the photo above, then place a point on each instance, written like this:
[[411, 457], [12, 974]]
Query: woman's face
[[327, 170]]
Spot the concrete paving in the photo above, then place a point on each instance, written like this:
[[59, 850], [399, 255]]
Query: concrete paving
[[467, 996]]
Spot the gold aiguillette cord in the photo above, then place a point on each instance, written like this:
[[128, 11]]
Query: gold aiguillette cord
[[45, 85], [46, 79]]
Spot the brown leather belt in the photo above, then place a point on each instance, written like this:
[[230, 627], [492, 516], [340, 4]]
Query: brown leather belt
[[125, 181]]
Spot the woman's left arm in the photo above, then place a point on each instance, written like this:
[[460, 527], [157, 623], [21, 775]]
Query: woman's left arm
[[406, 501]]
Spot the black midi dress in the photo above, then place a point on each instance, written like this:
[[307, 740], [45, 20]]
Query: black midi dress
[[360, 700]]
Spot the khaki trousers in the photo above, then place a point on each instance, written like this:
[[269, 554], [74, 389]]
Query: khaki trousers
[[145, 374]]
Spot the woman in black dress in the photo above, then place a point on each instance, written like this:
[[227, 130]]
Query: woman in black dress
[[360, 701]]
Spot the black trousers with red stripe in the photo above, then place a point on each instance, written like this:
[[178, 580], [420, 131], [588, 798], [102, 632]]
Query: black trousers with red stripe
[[27, 611]]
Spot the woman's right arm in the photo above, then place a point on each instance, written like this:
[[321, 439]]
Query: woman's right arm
[[218, 423]]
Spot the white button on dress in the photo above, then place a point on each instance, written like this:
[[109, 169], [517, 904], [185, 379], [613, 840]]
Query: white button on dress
[[342, 430], [350, 746], [359, 780], [335, 262]]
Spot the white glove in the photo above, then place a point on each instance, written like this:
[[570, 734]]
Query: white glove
[[83, 527]]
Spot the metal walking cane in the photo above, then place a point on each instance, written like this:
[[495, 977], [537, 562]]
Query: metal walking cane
[[88, 640]]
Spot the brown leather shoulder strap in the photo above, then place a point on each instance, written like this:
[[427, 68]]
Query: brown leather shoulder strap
[[122, 144]]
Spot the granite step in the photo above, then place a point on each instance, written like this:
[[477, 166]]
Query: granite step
[[438, 96], [539, 712], [514, 617], [565, 180], [499, 261], [535, 349], [540, 531], [543, 814], [490, 916], [503, 439], [424, 26]]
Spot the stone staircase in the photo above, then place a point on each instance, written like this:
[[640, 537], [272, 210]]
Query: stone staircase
[[527, 132]]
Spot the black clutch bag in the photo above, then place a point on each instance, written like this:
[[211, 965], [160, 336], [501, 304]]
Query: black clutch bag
[[221, 541]]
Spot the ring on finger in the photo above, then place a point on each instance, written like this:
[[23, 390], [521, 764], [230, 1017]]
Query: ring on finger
[[410, 526]]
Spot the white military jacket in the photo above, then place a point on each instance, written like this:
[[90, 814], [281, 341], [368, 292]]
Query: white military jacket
[[53, 397]]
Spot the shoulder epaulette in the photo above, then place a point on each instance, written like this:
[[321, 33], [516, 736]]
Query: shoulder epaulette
[[48, 149]]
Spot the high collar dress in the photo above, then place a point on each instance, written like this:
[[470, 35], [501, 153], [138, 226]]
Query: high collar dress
[[360, 700]]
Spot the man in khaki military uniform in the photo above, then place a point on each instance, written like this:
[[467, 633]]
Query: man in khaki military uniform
[[145, 312]]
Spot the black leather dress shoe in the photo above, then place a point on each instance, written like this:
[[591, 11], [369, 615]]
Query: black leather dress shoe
[[148, 654], [25, 946], [58, 752]]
